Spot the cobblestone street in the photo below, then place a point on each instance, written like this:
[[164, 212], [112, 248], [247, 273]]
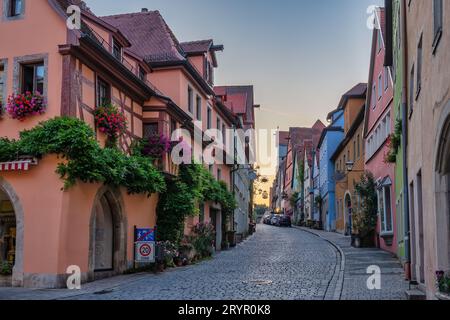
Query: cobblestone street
[[274, 264]]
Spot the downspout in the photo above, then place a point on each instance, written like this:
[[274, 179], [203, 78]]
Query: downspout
[[407, 231]]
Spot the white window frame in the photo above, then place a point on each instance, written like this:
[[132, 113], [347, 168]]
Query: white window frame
[[382, 209]]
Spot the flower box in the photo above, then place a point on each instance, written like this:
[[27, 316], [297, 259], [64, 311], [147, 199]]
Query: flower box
[[21, 106]]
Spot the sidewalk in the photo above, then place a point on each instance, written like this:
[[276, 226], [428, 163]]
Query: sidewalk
[[355, 263], [96, 287]]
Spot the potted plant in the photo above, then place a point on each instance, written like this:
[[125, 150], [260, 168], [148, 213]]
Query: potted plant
[[443, 284], [6, 269], [23, 105]]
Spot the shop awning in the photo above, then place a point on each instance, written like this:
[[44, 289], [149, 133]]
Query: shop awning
[[23, 165]]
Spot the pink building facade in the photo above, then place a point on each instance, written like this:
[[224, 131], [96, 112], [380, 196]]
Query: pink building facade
[[379, 125]]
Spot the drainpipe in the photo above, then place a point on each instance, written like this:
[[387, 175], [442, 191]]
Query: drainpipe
[[407, 239]]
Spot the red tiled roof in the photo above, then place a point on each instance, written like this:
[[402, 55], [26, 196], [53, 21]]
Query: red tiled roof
[[149, 35], [237, 103], [197, 46], [230, 91]]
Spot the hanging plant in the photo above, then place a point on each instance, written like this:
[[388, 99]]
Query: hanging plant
[[157, 146], [110, 121], [26, 104], [394, 142]]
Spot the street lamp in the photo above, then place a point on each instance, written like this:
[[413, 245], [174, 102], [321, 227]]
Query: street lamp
[[349, 165]]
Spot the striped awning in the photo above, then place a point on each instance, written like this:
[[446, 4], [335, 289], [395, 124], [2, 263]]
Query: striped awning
[[23, 165]]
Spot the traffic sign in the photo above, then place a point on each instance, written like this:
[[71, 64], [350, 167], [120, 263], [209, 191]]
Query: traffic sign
[[145, 235], [145, 251]]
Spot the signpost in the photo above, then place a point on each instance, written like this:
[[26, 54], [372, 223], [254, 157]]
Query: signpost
[[144, 245]]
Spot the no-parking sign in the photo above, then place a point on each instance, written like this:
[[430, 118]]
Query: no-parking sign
[[145, 251]]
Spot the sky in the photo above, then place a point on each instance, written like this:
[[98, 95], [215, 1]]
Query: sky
[[300, 55]]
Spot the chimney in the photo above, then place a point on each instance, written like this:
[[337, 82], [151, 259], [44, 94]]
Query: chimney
[[144, 10]]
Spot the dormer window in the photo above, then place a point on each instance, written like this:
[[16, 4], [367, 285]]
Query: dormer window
[[142, 74], [117, 50]]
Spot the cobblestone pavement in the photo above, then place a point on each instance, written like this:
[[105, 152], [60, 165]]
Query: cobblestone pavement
[[274, 264], [393, 283]]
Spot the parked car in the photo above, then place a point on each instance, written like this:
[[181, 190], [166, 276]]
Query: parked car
[[275, 221], [285, 221], [267, 218]]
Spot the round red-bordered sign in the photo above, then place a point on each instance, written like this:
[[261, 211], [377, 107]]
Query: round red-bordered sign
[[145, 250]]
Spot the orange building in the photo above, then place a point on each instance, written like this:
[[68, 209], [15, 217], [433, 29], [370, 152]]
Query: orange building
[[91, 225], [349, 157]]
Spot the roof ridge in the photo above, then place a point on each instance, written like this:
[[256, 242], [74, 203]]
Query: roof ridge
[[130, 14], [196, 41]]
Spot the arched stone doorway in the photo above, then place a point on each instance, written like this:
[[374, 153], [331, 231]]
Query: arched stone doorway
[[11, 236], [108, 238], [348, 214], [442, 190]]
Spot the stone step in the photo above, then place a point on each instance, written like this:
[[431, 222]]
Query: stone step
[[415, 294]]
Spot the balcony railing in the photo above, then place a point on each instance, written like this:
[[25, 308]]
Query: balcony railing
[[91, 34]]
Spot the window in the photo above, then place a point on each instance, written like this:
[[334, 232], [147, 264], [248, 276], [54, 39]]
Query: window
[[117, 50], [438, 18], [354, 150], [411, 91], [209, 73], [386, 79], [150, 129], [379, 41], [2, 83], [224, 134], [380, 87], [173, 126], [219, 174], [419, 67], [209, 118], [103, 92], [211, 168], [358, 145], [374, 96], [199, 109], [15, 8], [33, 78], [378, 137], [190, 100], [385, 209], [142, 74], [219, 124]]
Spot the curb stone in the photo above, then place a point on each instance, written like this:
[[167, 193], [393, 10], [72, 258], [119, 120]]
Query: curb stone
[[339, 270]]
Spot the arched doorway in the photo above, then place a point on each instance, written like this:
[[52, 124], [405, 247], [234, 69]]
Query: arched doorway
[[107, 236], [348, 213], [442, 189], [11, 237]]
